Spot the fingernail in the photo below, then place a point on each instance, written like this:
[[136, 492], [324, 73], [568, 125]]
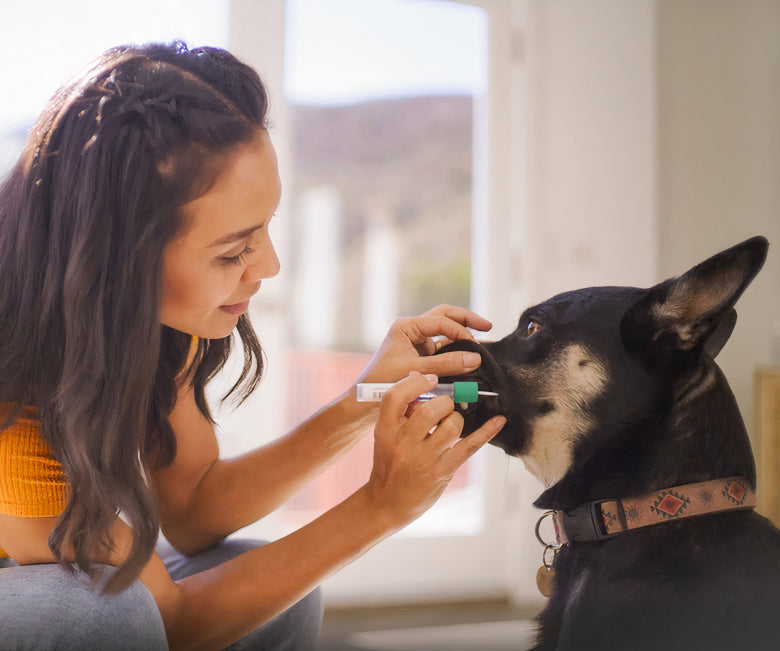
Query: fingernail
[[471, 360], [499, 422], [431, 378]]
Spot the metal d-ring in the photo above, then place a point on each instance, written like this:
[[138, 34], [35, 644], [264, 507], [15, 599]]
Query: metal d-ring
[[544, 544], [554, 550]]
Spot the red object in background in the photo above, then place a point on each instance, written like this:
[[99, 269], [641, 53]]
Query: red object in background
[[316, 378]]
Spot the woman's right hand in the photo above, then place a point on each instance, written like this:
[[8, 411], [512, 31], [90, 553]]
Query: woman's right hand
[[417, 449]]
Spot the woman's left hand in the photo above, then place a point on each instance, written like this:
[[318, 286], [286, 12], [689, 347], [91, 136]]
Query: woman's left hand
[[411, 343]]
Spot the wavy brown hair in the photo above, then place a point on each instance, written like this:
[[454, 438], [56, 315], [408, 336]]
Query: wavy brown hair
[[84, 218]]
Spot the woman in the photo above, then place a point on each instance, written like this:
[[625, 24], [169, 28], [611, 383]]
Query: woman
[[133, 232]]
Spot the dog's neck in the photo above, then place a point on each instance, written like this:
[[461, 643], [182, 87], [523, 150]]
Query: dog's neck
[[683, 445]]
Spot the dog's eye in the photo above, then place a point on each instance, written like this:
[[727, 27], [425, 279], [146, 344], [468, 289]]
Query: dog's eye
[[532, 328]]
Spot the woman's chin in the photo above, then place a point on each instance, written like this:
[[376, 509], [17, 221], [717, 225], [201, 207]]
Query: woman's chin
[[218, 328]]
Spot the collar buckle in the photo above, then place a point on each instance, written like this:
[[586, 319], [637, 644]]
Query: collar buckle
[[586, 522]]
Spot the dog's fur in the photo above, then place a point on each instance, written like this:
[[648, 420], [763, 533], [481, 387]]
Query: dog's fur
[[612, 392]]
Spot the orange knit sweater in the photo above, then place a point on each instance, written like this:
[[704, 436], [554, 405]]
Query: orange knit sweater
[[32, 481]]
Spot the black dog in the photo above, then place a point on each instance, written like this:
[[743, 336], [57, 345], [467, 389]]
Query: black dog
[[615, 403]]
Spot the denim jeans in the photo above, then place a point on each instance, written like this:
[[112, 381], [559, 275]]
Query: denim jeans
[[46, 608]]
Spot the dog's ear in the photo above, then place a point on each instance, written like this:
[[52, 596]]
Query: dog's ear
[[720, 335], [696, 310]]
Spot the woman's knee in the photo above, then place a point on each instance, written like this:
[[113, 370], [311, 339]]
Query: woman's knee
[[47, 607]]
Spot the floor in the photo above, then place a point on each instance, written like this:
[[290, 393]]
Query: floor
[[483, 626]]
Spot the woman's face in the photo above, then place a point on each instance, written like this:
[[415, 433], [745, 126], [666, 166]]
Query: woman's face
[[215, 264]]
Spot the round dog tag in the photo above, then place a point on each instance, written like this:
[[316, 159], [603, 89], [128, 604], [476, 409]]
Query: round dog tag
[[545, 579]]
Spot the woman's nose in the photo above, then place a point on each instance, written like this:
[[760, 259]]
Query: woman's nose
[[264, 265]]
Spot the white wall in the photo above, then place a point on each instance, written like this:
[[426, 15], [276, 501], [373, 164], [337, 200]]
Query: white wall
[[719, 154]]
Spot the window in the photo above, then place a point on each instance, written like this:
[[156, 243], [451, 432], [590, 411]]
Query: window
[[381, 96]]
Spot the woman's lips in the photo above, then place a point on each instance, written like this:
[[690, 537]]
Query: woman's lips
[[243, 306], [236, 308]]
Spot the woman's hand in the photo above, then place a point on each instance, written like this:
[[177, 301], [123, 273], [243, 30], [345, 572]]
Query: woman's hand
[[411, 343], [417, 449]]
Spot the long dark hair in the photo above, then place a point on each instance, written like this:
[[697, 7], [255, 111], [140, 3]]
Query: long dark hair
[[84, 218]]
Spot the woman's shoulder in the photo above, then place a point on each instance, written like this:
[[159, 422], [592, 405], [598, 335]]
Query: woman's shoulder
[[32, 481], [21, 437]]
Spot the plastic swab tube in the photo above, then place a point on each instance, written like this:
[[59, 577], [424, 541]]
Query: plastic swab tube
[[459, 392]]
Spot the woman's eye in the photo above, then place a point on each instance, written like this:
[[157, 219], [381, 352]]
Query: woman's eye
[[238, 259], [532, 328]]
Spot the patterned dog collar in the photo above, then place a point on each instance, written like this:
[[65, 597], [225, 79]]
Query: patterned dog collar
[[602, 519]]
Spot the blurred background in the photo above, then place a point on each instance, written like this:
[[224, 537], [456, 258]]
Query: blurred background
[[487, 153]]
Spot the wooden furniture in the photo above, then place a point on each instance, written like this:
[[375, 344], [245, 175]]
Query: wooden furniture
[[767, 439]]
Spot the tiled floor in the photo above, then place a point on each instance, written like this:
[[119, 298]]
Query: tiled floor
[[483, 626]]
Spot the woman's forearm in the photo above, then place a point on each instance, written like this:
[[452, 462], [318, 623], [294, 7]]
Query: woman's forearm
[[215, 608], [233, 493]]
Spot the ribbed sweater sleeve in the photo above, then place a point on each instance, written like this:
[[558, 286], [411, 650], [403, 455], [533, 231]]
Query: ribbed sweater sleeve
[[32, 482]]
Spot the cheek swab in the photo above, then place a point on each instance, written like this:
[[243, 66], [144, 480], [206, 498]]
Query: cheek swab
[[460, 392]]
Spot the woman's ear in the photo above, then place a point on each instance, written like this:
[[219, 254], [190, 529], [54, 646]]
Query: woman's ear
[[697, 309]]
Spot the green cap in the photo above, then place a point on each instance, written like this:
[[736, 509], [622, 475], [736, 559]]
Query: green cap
[[466, 392]]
